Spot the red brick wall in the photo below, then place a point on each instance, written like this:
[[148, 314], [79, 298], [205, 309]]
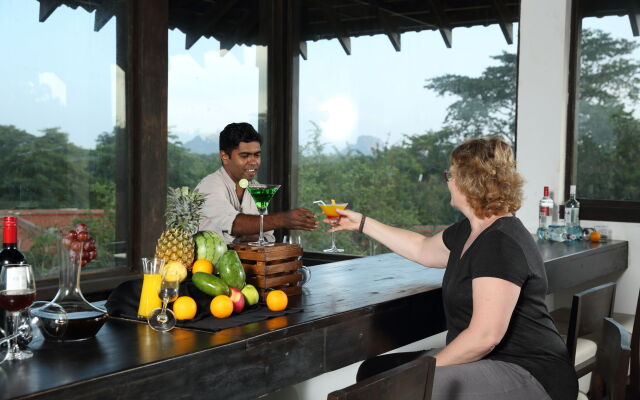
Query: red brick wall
[[33, 222]]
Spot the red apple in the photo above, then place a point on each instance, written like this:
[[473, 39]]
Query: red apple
[[237, 298]]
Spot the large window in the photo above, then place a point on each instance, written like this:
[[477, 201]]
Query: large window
[[605, 167], [61, 116], [376, 127], [208, 89]]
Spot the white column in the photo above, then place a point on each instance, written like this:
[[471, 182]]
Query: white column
[[543, 74]]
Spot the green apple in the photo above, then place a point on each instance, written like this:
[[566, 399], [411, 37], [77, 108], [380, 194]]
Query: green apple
[[251, 294]]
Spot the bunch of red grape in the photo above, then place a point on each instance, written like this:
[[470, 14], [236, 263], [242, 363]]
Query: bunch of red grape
[[82, 246]]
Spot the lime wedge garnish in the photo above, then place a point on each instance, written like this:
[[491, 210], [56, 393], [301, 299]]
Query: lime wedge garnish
[[243, 183]]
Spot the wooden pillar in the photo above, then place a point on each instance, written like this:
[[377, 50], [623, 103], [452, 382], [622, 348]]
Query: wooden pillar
[[147, 81], [281, 144]]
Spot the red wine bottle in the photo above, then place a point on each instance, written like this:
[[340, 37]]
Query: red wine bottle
[[10, 253]]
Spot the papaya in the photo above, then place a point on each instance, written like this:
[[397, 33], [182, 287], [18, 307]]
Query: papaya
[[231, 270], [210, 284]]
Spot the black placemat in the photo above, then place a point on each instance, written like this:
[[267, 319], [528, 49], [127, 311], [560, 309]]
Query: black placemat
[[124, 300]]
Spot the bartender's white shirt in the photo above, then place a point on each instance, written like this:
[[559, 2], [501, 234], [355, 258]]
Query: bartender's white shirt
[[222, 205]]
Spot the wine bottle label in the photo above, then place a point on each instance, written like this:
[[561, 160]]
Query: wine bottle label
[[16, 279]]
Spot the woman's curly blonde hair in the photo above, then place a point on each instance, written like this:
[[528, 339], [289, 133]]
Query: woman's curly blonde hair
[[485, 172]]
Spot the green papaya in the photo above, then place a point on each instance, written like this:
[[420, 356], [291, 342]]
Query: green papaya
[[210, 284], [231, 270]]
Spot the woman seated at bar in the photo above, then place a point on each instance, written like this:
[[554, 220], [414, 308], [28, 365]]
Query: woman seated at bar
[[501, 343]]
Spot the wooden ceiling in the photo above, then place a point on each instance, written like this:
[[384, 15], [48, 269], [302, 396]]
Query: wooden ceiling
[[238, 22]]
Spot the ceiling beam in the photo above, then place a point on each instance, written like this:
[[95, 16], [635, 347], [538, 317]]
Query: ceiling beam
[[208, 22], [334, 21], [634, 17], [390, 30], [442, 22], [104, 14], [303, 49], [47, 7], [506, 27]]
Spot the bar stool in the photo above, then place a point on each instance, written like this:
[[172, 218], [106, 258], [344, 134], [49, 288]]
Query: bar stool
[[584, 324], [612, 360], [409, 381]]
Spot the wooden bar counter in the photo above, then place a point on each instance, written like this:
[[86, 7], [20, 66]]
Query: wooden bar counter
[[352, 310]]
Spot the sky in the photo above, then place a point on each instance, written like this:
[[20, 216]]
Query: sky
[[63, 74]]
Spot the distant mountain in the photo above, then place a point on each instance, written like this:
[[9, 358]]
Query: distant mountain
[[206, 145], [365, 144]]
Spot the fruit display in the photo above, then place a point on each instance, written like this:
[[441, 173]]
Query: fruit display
[[209, 246], [82, 246], [182, 217], [231, 270]]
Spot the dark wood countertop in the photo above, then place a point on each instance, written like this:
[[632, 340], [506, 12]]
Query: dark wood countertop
[[353, 309]]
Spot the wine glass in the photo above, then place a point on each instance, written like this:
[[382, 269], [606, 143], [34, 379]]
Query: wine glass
[[17, 292], [163, 319], [333, 216], [262, 195]]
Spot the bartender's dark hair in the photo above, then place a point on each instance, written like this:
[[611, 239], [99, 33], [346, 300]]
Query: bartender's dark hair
[[237, 132]]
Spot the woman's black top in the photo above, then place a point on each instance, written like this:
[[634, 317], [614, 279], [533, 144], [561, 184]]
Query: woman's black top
[[506, 250]]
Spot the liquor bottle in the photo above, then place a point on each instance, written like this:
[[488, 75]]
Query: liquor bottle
[[10, 253], [545, 216], [572, 212]]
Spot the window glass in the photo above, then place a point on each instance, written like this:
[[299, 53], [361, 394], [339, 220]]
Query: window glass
[[608, 124], [61, 112], [376, 127], [208, 89]]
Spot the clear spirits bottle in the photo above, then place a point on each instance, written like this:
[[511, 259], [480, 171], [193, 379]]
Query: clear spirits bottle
[[545, 216], [572, 212]]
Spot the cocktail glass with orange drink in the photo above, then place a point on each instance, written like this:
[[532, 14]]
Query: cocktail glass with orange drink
[[149, 299], [333, 216]]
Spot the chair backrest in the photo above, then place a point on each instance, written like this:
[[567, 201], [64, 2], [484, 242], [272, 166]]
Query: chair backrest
[[635, 354], [588, 310], [409, 381], [612, 362]]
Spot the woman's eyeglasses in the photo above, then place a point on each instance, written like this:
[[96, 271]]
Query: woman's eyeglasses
[[447, 175]]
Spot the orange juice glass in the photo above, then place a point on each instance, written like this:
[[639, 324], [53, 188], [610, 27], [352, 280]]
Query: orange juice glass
[[149, 299]]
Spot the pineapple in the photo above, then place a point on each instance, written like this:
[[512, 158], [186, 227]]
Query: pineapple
[[182, 219]]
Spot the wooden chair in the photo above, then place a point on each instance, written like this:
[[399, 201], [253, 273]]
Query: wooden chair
[[410, 381], [612, 362], [584, 325], [631, 322]]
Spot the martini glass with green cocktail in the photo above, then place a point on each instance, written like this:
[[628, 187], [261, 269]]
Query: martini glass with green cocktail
[[262, 195], [333, 216]]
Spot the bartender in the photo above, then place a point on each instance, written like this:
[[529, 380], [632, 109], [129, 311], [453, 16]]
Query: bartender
[[229, 210]]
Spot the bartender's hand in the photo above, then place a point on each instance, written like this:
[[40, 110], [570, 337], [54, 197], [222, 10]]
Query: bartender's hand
[[300, 219], [349, 221]]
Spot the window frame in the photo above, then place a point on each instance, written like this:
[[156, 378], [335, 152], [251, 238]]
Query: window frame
[[590, 209]]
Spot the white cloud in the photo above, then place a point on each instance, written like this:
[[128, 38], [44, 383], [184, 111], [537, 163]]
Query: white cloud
[[342, 118], [205, 97], [56, 89]]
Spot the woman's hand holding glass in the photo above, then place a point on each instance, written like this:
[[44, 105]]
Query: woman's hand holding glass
[[349, 221], [163, 319]]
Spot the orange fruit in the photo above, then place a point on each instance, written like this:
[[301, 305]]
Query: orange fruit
[[221, 306], [277, 300], [595, 236], [202, 266], [184, 308]]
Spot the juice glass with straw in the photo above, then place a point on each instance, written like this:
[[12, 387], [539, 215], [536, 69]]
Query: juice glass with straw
[[331, 213], [149, 299]]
